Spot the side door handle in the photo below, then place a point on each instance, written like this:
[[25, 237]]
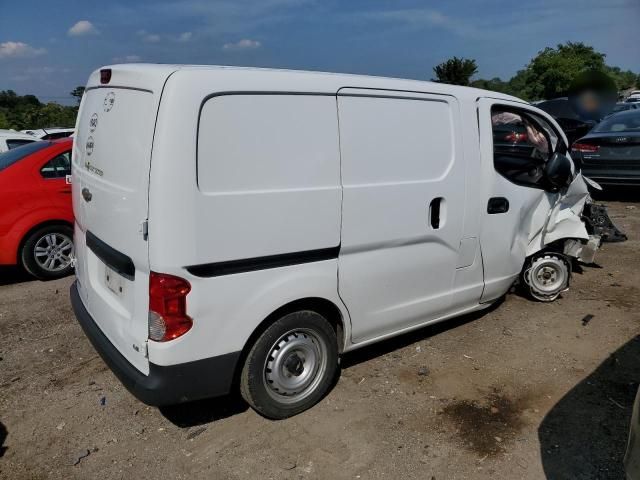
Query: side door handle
[[497, 205], [436, 213]]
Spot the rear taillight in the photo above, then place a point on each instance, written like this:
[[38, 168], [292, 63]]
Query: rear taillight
[[584, 148], [168, 317], [516, 137]]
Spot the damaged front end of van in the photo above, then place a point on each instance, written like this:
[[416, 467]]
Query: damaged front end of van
[[562, 230]]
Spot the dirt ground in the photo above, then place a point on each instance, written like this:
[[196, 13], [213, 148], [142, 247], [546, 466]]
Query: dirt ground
[[521, 391]]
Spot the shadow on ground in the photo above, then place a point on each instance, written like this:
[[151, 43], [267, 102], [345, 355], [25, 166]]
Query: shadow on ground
[[382, 348], [202, 412], [12, 275], [584, 435]]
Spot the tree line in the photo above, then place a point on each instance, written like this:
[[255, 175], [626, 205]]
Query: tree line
[[21, 112], [548, 75]]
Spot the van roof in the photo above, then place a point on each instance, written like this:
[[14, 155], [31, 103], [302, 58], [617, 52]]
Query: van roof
[[152, 76]]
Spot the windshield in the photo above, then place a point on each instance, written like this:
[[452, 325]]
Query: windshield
[[12, 156], [622, 122]]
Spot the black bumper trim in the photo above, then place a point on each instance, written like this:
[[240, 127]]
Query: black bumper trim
[[117, 261], [165, 385]]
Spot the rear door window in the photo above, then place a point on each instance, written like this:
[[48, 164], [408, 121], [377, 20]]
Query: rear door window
[[522, 144], [15, 143], [57, 167], [15, 155]]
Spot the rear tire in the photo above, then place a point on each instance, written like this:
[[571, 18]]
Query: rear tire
[[48, 251], [291, 366]]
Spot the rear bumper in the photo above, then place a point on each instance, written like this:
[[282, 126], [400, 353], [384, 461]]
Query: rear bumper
[[165, 385], [608, 172]]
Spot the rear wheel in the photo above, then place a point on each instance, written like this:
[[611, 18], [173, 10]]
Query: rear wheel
[[47, 252], [291, 366]]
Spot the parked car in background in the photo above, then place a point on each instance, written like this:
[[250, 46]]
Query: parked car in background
[[623, 106], [50, 133], [633, 97], [573, 124], [610, 153], [36, 217], [10, 139]]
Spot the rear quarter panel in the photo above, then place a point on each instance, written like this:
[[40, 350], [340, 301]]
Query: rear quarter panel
[[191, 224]]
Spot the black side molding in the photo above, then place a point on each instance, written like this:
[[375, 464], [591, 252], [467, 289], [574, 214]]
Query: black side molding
[[262, 263], [117, 261]]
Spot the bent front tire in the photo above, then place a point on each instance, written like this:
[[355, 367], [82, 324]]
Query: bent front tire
[[291, 366], [546, 276]]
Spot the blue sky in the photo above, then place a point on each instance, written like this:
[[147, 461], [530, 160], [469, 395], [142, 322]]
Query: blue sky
[[47, 48]]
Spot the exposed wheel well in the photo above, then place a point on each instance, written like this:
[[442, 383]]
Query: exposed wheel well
[[322, 306]]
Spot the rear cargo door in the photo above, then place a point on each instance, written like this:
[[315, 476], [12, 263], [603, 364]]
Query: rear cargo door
[[111, 161]]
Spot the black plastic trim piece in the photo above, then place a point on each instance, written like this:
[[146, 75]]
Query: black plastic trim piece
[[115, 260], [165, 385], [262, 263], [497, 205]]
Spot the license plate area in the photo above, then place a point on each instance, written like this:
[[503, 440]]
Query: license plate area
[[114, 281]]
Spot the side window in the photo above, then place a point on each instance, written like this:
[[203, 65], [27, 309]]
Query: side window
[[522, 144], [14, 143], [57, 167]]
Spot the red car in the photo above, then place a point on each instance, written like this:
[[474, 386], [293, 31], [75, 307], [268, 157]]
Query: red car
[[36, 217]]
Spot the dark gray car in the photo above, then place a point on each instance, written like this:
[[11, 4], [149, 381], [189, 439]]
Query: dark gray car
[[610, 152]]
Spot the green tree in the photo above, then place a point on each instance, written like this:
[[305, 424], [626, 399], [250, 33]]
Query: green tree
[[550, 73], [624, 80], [77, 92], [456, 71], [20, 112], [495, 84]]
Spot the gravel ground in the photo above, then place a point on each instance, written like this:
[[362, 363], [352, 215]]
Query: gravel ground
[[524, 390]]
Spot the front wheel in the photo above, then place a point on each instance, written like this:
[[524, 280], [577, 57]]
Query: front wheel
[[47, 252], [291, 366], [547, 275]]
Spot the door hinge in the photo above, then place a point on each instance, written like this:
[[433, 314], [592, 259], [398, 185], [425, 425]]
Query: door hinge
[[144, 229]]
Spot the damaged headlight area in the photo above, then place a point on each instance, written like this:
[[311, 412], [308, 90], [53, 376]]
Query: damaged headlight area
[[573, 230]]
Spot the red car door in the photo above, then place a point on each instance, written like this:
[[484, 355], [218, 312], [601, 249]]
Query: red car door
[[53, 174]]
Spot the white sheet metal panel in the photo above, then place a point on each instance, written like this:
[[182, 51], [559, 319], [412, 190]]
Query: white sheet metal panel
[[269, 174], [398, 154]]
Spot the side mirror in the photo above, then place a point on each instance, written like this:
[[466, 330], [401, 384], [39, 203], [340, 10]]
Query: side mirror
[[559, 170]]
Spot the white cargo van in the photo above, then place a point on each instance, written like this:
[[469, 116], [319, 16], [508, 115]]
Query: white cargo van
[[244, 227]]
